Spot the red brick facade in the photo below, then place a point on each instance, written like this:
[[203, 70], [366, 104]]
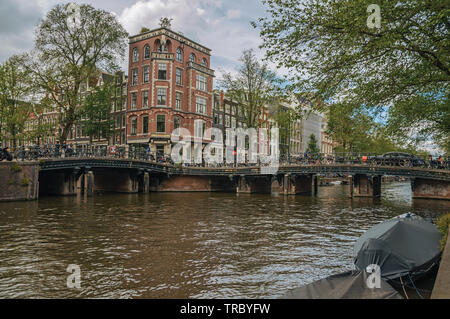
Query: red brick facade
[[191, 90]]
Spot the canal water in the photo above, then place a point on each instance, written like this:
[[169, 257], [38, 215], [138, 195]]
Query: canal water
[[188, 245]]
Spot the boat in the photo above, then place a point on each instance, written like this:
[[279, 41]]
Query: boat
[[406, 247], [348, 285]]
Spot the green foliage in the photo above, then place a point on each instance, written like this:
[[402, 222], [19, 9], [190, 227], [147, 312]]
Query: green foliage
[[67, 55], [405, 65], [15, 85], [443, 225], [25, 181], [144, 29], [95, 113], [16, 168], [312, 145], [253, 87]]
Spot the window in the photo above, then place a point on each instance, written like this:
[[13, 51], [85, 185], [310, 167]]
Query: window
[[201, 82], [227, 108], [162, 48], [145, 99], [178, 76], [227, 121], [179, 55], [233, 122], [123, 121], [161, 123], [204, 62], [135, 55], [200, 105], [176, 122], [147, 52], [178, 100], [162, 71], [133, 126], [216, 118], [199, 128], [161, 96], [133, 100], [145, 124], [134, 77], [192, 57], [146, 74]]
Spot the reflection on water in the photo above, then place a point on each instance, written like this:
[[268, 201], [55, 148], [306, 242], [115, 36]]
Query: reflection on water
[[188, 245]]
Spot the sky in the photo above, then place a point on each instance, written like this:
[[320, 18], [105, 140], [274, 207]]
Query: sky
[[221, 25]]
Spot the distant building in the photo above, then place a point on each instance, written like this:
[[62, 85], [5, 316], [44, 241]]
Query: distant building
[[43, 124], [311, 123], [327, 144]]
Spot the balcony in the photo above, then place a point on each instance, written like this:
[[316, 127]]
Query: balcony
[[162, 56], [200, 68]]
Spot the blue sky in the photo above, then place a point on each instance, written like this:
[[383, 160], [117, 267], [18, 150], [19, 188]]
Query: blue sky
[[221, 25]]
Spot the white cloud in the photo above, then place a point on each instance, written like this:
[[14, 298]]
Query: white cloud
[[233, 14], [220, 26]]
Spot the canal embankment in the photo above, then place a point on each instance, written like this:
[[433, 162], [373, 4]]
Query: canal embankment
[[19, 181], [441, 289]]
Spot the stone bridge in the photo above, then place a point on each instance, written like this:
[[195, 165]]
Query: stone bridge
[[66, 176], [73, 176]]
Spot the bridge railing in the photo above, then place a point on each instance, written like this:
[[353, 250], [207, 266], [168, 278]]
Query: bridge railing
[[39, 152]]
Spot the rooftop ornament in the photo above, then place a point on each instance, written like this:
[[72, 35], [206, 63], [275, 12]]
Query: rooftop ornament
[[165, 23]]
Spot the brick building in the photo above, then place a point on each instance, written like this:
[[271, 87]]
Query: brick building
[[170, 86]]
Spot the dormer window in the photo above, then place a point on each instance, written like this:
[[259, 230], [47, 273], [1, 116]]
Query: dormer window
[[135, 55]]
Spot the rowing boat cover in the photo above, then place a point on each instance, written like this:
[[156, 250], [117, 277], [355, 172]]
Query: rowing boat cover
[[347, 285], [399, 246]]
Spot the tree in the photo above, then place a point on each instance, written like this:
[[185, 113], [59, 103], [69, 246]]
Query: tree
[[356, 130], [350, 126], [71, 44], [144, 29], [405, 64], [252, 88], [312, 145], [95, 114], [15, 84]]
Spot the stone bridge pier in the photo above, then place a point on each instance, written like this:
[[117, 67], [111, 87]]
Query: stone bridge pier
[[116, 181], [430, 189], [59, 182], [292, 184], [362, 185], [254, 184], [87, 181]]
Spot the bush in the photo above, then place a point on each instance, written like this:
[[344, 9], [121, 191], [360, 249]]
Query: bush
[[16, 168], [443, 224], [25, 181]]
